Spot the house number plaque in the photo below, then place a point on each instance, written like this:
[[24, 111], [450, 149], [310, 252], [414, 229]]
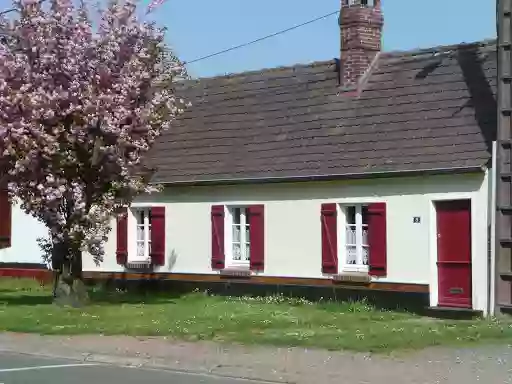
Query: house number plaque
[[416, 219]]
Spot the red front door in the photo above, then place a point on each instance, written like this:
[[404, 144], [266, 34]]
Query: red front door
[[454, 253]]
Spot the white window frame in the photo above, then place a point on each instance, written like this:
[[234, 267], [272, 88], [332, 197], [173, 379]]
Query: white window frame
[[133, 225], [342, 236], [228, 235]]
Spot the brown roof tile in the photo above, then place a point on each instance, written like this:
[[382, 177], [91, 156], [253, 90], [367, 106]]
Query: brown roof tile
[[421, 110]]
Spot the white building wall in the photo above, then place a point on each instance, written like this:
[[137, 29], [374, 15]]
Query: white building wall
[[293, 233], [25, 232]]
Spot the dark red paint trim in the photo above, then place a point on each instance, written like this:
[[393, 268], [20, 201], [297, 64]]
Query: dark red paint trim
[[158, 236], [42, 275], [122, 237], [218, 255], [257, 237], [328, 219]]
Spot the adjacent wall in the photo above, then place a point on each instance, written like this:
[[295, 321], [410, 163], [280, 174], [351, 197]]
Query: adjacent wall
[[25, 231], [292, 222]]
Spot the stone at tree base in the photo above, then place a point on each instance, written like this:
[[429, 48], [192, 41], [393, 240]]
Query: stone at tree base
[[71, 295]]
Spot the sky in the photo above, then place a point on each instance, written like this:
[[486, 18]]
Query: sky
[[200, 27]]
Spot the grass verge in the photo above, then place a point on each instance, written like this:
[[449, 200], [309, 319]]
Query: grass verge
[[25, 306]]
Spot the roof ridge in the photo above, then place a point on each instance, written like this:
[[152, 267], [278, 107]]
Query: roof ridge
[[384, 54], [440, 48], [313, 64]]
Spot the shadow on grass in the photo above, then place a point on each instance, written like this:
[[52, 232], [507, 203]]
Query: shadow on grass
[[109, 298], [97, 295], [151, 292], [25, 300], [165, 291], [95, 299], [133, 292]]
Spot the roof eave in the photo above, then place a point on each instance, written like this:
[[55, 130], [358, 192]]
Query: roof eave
[[329, 177]]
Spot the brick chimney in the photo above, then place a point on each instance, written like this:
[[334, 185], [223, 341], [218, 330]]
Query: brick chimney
[[361, 23]]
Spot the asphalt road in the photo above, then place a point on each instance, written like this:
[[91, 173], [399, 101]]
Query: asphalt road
[[18, 369]]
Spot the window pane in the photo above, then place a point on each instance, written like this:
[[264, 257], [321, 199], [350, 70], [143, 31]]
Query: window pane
[[351, 215], [364, 213], [365, 235], [236, 216], [351, 255], [247, 252], [366, 255], [140, 217], [350, 233], [140, 232], [247, 237], [237, 252], [140, 248], [236, 233]]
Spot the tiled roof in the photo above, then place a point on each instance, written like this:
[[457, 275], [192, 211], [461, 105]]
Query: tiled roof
[[430, 109]]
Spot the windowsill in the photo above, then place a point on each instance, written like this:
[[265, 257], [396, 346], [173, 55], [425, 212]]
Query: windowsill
[[138, 264], [236, 271], [350, 268], [359, 277], [146, 260]]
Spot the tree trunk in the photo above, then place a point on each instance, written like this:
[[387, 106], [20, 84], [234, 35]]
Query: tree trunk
[[68, 286]]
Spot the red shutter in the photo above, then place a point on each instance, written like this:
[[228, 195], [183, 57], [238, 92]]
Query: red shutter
[[5, 220], [218, 237], [157, 235], [377, 239], [122, 237], [257, 237], [329, 238]]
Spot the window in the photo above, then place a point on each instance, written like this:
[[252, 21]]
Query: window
[[143, 238], [356, 250], [354, 238], [238, 237], [240, 240]]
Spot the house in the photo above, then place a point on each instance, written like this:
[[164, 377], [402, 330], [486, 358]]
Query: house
[[371, 172]]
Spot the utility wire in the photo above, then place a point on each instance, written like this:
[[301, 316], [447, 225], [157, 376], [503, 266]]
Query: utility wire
[[7, 11], [240, 45], [261, 38], [15, 9]]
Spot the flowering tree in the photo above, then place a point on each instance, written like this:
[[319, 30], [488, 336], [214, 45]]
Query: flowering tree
[[82, 100]]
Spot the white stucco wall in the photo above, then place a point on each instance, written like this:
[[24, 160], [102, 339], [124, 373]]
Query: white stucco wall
[[293, 233], [25, 232]]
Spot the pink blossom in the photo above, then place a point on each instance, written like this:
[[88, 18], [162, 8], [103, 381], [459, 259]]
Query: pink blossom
[[80, 106], [154, 4]]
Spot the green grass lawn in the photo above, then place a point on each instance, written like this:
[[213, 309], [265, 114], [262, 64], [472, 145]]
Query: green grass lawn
[[27, 307]]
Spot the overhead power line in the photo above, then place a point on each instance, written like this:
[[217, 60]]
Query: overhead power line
[[240, 45], [15, 9], [7, 11], [261, 38]]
